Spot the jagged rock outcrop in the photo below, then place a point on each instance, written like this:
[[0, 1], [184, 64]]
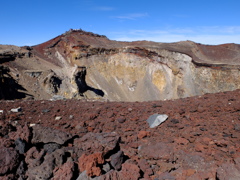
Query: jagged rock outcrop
[[9, 88], [79, 64]]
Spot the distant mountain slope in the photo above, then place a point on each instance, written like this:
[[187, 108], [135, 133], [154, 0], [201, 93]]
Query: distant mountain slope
[[79, 64]]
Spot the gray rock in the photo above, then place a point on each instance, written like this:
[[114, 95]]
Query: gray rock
[[45, 170], [57, 97], [229, 171], [156, 120], [48, 135], [157, 150], [45, 110], [165, 176], [106, 167], [175, 121], [83, 176], [66, 171], [93, 142], [51, 147], [112, 174], [121, 119], [20, 146], [34, 157], [21, 169], [117, 160]]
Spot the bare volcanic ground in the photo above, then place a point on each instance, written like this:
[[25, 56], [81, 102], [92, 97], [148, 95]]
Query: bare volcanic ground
[[77, 139]]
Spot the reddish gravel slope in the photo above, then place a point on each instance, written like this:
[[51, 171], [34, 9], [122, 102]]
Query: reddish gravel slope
[[112, 140]]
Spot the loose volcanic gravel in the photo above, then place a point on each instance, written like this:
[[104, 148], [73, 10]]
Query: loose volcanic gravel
[[77, 139]]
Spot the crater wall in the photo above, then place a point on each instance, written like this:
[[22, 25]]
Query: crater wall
[[121, 71]]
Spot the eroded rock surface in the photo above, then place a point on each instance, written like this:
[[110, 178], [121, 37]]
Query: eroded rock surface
[[84, 65], [49, 135]]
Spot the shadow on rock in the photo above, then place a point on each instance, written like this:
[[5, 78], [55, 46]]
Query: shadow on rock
[[98, 92], [9, 88], [80, 79]]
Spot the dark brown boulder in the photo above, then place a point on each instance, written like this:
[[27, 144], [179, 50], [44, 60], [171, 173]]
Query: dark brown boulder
[[93, 142], [48, 135], [9, 160]]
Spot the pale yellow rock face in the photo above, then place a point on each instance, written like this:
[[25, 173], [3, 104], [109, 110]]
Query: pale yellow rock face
[[159, 80], [122, 68], [171, 75], [212, 80]]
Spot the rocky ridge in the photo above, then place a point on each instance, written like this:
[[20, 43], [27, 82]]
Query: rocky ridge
[[79, 64]]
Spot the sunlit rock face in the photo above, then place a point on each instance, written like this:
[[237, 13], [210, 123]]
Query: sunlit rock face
[[79, 64]]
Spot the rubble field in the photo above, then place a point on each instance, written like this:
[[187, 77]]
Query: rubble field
[[101, 140]]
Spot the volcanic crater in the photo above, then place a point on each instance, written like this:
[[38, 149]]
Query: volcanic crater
[[76, 107]]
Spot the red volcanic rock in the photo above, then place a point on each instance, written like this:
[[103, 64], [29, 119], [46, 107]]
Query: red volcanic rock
[[189, 145], [143, 134], [8, 177], [181, 141], [145, 167], [90, 129], [130, 171], [8, 160], [199, 147], [65, 172], [121, 119], [90, 163], [110, 114], [6, 128], [157, 150], [167, 176], [22, 132], [191, 173], [13, 117], [34, 157], [6, 142], [134, 119]]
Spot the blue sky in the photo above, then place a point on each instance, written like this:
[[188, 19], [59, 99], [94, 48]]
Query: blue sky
[[30, 22]]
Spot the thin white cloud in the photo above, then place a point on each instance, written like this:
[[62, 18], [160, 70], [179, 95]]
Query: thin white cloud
[[132, 16], [204, 35], [220, 29]]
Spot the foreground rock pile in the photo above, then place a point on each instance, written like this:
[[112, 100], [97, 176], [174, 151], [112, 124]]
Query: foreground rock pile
[[76, 139]]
